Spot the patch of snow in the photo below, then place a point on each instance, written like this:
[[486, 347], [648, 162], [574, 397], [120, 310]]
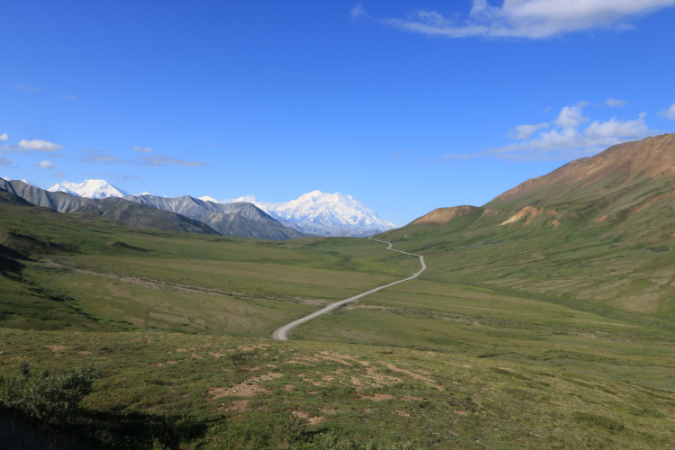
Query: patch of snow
[[206, 198]]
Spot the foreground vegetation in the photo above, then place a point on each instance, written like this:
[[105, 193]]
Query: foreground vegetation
[[187, 391]]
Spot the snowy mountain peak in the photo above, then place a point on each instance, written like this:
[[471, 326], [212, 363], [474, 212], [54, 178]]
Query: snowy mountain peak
[[323, 214], [89, 188], [330, 215]]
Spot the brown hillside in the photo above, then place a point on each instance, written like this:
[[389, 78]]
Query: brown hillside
[[652, 157], [443, 215]]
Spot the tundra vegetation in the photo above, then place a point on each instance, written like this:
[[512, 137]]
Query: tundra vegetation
[[517, 336]]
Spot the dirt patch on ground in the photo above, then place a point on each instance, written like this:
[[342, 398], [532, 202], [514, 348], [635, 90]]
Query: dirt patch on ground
[[84, 352], [57, 348], [249, 348], [268, 376], [415, 376], [381, 379], [288, 387], [237, 405], [410, 398], [312, 420], [378, 397], [402, 413], [246, 389], [336, 357]]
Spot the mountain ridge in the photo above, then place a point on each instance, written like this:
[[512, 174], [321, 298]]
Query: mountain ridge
[[231, 219], [123, 211]]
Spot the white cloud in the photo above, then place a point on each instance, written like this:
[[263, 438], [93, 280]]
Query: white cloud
[[533, 19], [567, 139], [154, 160], [668, 113], [105, 159], [358, 11], [3, 137], [58, 174], [46, 165], [525, 131], [21, 87], [614, 103], [69, 97], [160, 160], [570, 117], [206, 198], [5, 162], [142, 149], [38, 146]]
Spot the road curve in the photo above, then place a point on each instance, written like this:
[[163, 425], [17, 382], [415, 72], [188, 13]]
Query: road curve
[[281, 333]]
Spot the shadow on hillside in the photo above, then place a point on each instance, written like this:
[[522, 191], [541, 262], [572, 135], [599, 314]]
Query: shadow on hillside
[[100, 430]]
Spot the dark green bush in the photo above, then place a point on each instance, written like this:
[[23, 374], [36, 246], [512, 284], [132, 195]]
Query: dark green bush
[[46, 397]]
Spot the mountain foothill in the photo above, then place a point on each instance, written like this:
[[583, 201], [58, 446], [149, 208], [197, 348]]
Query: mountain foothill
[[598, 229]]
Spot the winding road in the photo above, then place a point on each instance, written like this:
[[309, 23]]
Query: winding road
[[281, 333]]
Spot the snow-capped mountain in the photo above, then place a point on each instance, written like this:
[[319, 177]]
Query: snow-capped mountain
[[89, 188], [325, 214]]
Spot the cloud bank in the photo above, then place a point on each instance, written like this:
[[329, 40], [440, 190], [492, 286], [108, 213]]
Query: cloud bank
[[46, 165], [531, 19], [142, 149], [572, 135], [668, 113], [25, 146], [22, 88], [154, 161]]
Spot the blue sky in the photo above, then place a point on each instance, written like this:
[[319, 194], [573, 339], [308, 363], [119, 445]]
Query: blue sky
[[407, 106]]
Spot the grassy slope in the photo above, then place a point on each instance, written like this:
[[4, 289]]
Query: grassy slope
[[182, 282], [613, 251]]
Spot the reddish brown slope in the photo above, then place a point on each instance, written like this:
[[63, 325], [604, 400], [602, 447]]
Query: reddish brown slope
[[588, 178]]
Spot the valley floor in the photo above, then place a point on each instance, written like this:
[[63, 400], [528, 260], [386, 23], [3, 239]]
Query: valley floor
[[180, 326]]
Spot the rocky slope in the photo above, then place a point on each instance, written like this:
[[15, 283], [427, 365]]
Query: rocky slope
[[231, 219]]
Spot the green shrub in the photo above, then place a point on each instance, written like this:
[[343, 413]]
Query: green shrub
[[46, 397]]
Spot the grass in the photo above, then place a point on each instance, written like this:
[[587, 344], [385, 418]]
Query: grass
[[229, 392]]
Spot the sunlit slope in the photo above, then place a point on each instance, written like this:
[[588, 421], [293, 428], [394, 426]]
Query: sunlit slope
[[166, 390], [107, 275], [596, 230]]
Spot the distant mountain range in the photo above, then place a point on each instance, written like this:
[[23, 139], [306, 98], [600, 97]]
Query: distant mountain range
[[315, 213], [232, 219], [123, 211]]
